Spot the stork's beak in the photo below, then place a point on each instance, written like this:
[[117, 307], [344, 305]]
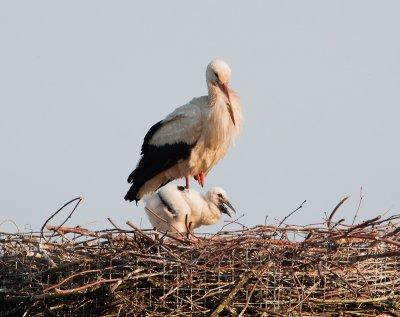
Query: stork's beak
[[224, 89], [225, 210]]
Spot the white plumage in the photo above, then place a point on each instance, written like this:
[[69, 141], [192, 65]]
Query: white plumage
[[175, 209], [190, 140]]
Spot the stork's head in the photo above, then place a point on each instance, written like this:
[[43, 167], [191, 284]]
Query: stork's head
[[218, 75], [218, 72], [219, 198]]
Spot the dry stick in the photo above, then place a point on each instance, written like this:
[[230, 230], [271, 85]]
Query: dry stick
[[271, 312], [150, 239], [85, 287], [100, 282], [343, 280], [189, 232], [139, 231], [298, 208], [173, 289], [394, 217], [365, 282], [358, 207], [388, 241], [394, 232], [248, 299], [338, 223], [364, 224], [310, 291], [114, 225], [27, 312], [252, 291], [232, 294], [70, 214], [72, 276], [228, 223], [334, 211], [10, 221], [78, 199], [390, 234], [77, 230], [114, 287], [260, 269], [59, 233]]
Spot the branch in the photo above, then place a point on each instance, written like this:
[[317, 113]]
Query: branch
[[78, 199], [334, 211], [298, 208]]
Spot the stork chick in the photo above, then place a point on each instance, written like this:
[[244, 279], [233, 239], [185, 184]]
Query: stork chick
[[177, 209], [190, 140]]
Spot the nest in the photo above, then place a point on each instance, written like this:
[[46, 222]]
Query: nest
[[329, 269]]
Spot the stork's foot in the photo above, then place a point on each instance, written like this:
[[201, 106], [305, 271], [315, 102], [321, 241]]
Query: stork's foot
[[187, 182], [200, 178]]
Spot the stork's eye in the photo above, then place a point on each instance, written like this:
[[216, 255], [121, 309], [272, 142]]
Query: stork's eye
[[216, 75]]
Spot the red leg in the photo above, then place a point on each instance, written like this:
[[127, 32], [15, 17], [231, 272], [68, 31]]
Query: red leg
[[187, 182], [200, 179]]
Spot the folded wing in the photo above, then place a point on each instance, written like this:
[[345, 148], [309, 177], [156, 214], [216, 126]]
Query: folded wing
[[165, 144]]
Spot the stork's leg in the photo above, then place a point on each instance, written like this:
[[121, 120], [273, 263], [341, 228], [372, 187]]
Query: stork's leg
[[200, 178], [187, 182]]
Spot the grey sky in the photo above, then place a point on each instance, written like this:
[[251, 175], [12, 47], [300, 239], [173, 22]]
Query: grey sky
[[82, 81]]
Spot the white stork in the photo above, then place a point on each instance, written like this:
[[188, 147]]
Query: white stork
[[177, 209], [190, 140]]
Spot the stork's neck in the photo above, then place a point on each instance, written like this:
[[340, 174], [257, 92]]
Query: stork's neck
[[213, 93], [210, 214]]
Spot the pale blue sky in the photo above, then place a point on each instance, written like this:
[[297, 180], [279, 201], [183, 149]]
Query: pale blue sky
[[82, 81]]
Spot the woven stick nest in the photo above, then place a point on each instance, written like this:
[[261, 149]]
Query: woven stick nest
[[329, 269]]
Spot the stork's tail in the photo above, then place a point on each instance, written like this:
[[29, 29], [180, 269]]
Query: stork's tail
[[132, 193], [137, 179], [142, 184]]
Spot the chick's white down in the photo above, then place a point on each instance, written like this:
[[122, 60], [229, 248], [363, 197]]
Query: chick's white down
[[176, 209]]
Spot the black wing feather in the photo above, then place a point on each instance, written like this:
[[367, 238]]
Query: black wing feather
[[149, 135], [155, 160]]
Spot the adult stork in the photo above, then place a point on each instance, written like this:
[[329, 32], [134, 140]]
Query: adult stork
[[176, 209], [190, 140]]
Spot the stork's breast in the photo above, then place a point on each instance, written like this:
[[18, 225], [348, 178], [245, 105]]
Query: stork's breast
[[203, 158]]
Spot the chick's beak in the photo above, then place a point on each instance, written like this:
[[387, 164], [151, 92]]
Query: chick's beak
[[229, 205], [224, 89]]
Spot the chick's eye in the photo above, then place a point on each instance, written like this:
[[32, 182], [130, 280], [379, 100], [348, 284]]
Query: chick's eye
[[220, 196]]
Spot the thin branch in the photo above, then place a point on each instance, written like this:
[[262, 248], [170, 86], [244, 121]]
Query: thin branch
[[334, 211], [298, 208], [78, 199], [114, 225], [358, 207]]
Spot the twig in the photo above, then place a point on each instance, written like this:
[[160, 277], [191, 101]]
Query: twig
[[363, 224], [243, 280], [358, 207], [10, 221], [114, 225], [298, 208], [334, 211], [78, 199]]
